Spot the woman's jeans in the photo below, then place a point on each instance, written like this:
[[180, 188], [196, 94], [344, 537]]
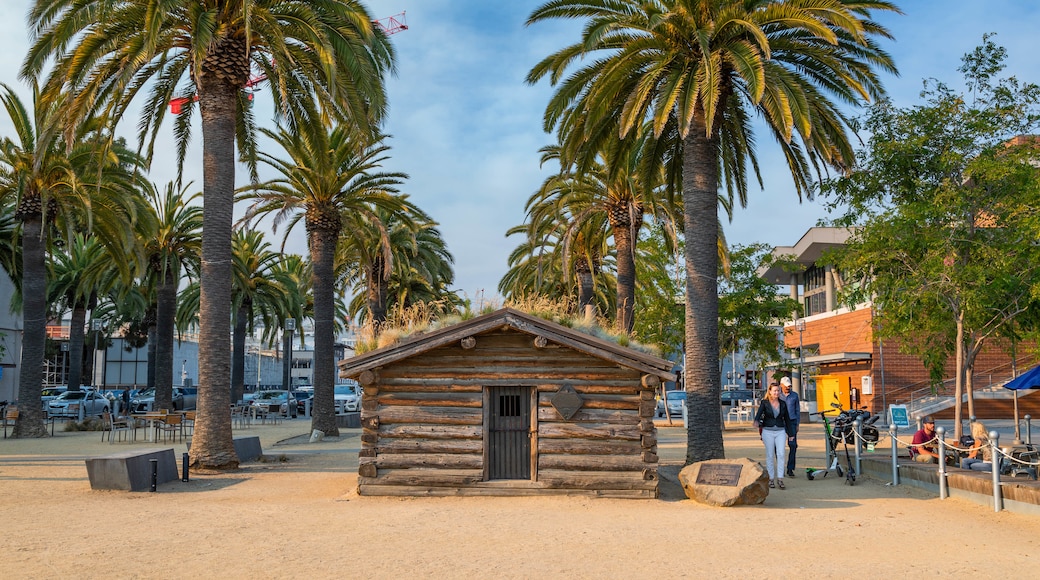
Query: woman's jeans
[[976, 464], [776, 444]]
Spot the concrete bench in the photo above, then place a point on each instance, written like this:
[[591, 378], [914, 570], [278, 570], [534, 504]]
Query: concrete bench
[[131, 470], [349, 420], [246, 448]]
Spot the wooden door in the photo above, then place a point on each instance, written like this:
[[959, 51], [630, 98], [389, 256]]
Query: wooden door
[[509, 433]]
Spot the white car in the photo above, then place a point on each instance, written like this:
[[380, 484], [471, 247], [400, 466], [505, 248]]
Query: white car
[[347, 398], [273, 401]]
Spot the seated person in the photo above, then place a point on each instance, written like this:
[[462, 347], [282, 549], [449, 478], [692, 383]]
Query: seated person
[[922, 448], [972, 461]]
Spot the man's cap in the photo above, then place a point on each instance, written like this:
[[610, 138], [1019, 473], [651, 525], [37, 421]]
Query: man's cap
[[928, 419], [786, 381]]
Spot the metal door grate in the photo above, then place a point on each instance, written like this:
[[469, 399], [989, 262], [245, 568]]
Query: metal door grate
[[509, 437]]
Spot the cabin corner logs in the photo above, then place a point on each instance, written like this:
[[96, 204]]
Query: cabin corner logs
[[507, 413]]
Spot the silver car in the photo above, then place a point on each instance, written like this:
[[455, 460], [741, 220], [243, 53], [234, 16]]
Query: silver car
[[347, 399], [68, 404]]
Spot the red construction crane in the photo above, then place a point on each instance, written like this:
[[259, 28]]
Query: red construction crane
[[389, 25]]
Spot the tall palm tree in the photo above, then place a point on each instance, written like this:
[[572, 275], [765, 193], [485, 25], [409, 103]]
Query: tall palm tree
[[322, 60], [395, 259], [59, 188], [613, 194], [328, 174], [259, 294], [81, 271], [705, 66], [172, 239], [541, 264]]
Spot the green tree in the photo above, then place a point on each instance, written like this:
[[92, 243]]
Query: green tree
[[259, 295], [614, 194], [322, 60], [703, 67], [81, 271], [749, 307], [576, 268], [660, 301], [58, 188], [328, 174], [943, 199], [172, 239]]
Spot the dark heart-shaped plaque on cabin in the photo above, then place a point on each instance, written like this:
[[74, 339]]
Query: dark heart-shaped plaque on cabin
[[566, 401]]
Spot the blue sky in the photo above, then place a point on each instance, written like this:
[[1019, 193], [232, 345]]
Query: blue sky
[[467, 129]]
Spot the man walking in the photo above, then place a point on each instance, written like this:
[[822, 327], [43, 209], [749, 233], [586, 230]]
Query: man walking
[[794, 411]]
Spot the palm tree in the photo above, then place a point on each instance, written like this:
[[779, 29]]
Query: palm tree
[[172, 239], [395, 259], [81, 271], [258, 295], [541, 264], [82, 185], [329, 174], [323, 60], [612, 195], [705, 66]]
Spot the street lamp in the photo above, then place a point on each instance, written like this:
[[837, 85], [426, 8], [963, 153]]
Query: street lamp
[[800, 325], [290, 326], [95, 326]]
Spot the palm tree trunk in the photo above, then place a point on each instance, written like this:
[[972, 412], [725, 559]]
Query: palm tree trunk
[[238, 356], [323, 250], [34, 334], [152, 356], [212, 445], [586, 288], [626, 268], [165, 315], [378, 289], [700, 208], [76, 332]]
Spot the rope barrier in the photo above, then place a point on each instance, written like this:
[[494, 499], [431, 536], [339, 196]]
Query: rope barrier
[[1018, 460]]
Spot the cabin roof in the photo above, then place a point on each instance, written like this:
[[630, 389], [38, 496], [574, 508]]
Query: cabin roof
[[516, 320]]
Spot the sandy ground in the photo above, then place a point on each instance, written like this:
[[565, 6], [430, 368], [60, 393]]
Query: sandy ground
[[302, 518]]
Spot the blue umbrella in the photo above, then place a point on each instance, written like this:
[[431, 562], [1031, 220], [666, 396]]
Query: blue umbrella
[[1026, 380]]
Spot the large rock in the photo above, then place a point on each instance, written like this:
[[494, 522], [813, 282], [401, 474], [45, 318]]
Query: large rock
[[725, 482]]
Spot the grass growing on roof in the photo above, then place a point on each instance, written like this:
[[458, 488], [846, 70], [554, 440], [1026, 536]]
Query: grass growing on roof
[[402, 323]]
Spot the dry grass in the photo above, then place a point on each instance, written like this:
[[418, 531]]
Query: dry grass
[[402, 323]]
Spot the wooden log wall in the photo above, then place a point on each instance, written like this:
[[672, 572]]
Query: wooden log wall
[[423, 422]]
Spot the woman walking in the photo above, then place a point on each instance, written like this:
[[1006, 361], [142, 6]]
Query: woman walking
[[777, 429]]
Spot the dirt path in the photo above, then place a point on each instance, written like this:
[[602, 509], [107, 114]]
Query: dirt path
[[302, 518]]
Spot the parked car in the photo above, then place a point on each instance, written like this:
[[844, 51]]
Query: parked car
[[51, 393], [273, 401], [675, 402], [93, 403], [347, 398], [731, 398], [301, 401], [184, 398]]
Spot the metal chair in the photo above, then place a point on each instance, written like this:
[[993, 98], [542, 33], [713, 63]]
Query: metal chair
[[10, 417], [112, 426], [171, 424]]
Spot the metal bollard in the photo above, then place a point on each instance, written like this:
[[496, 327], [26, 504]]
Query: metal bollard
[[155, 473], [184, 467], [1029, 430], [892, 430], [857, 425], [943, 492], [998, 497], [918, 419]]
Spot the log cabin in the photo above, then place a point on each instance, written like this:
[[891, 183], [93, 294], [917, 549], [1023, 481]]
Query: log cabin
[[508, 404]]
